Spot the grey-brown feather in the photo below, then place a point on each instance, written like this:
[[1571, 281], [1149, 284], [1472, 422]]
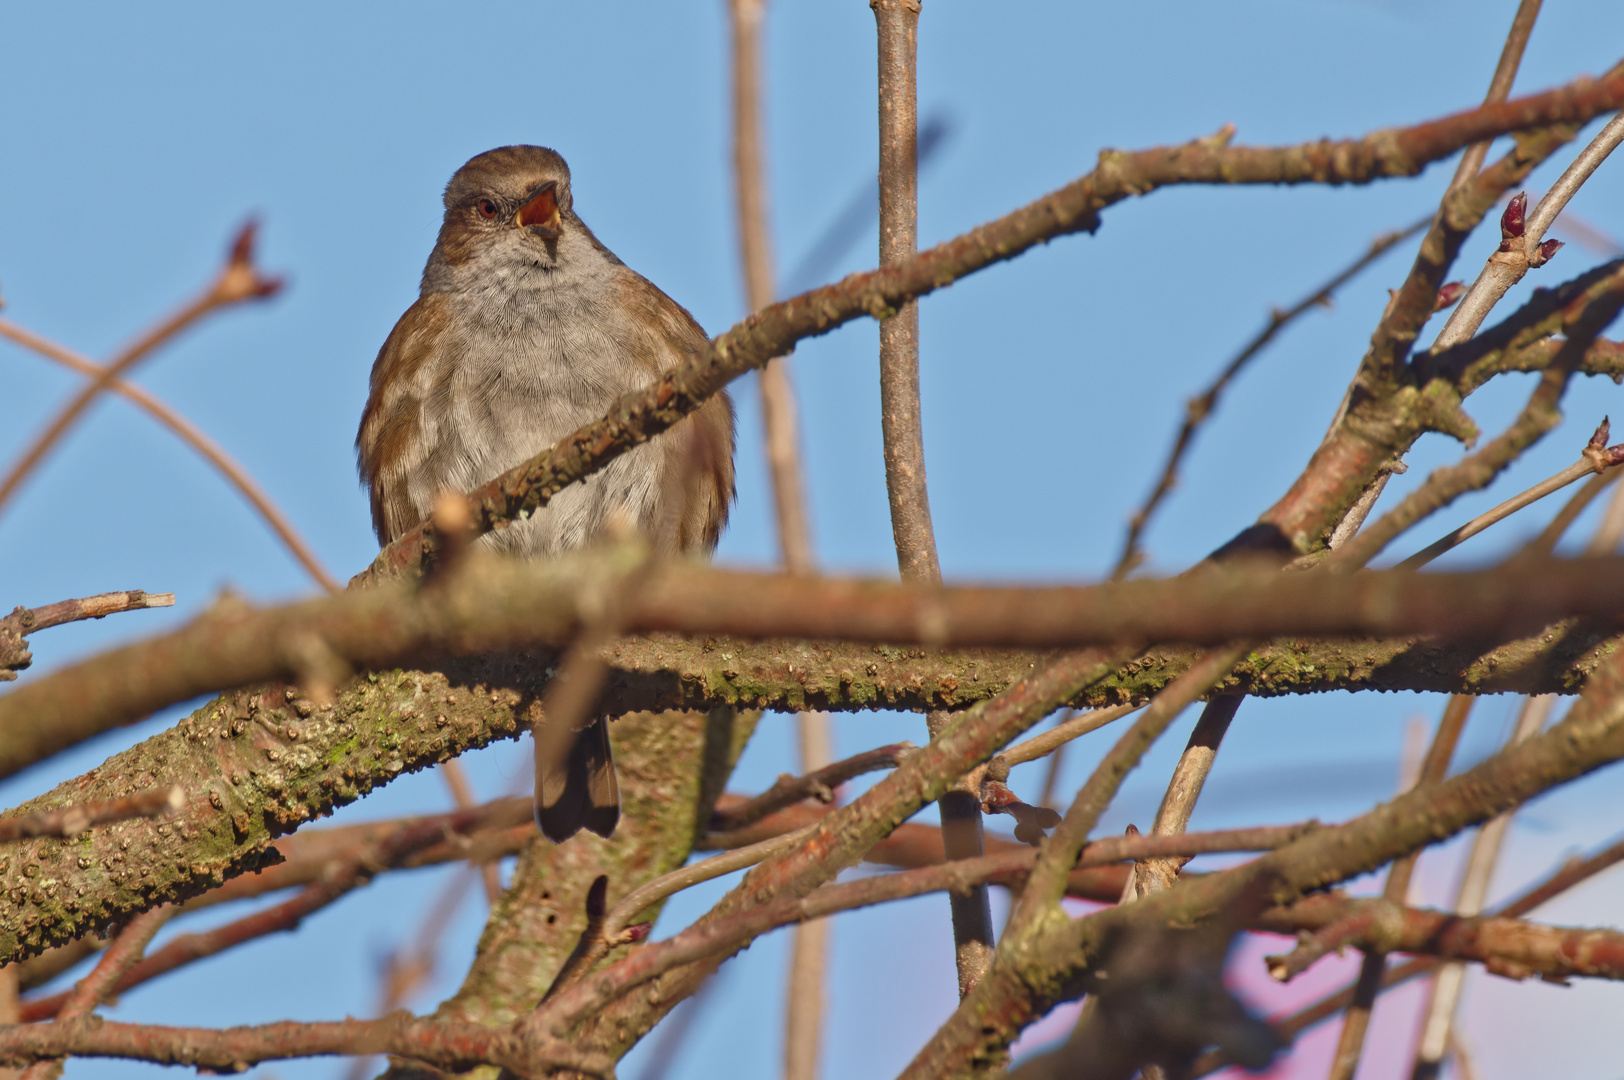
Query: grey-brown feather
[[517, 339]]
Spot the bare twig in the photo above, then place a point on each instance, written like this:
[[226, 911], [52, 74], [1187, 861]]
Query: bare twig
[[1199, 408], [348, 865], [1572, 873], [1478, 469], [1059, 853], [462, 793], [1524, 245], [1545, 543], [1178, 802], [238, 281], [192, 436], [1577, 471], [803, 1017], [615, 928], [99, 984], [1474, 887], [1077, 726], [450, 1045], [1351, 1044], [702, 940], [1505, 74], [70, 821], [14, 628], [818, 784]]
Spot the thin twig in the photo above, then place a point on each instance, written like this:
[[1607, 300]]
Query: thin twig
[[1477, 470], [237, 282], [803, 1016], [1395, 890], [1073, 728], [348, 867], [462, 793], [99, 984], [615, 927], [1199, 408], [1474, 887], [1183, 789], [1573, 872], [1577, 471], [703, 939], [1524, 245], [818, 784], [14, 628], [70, 821], [188, 433]]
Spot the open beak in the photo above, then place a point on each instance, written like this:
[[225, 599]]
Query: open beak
[[540, 214]]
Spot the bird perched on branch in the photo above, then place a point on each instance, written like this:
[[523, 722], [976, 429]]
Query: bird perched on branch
[[527, 328]]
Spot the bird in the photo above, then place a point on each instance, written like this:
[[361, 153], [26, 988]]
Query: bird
[[527, 327]]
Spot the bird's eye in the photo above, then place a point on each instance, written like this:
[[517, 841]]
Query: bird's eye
[[487, 209]]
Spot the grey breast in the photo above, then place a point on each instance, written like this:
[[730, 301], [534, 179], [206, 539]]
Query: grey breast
[[538, 356]]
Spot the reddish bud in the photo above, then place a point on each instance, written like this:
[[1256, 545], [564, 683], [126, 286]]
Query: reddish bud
[[636, 932], [1448, 294], [1597, 451], [995, 797], [1513, 220], [1543, 253]]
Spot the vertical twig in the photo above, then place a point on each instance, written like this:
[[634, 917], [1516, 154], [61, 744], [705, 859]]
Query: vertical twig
[[1352, 1041], [803, 1018], [462, 793], [778, 412], [1436, 1031], [897, 22]]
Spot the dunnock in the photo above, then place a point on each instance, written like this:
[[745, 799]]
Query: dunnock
[[527, 328]]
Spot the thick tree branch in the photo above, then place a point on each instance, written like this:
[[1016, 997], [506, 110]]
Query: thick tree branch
[[491, 604]]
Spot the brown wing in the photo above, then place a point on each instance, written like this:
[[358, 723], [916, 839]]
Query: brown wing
[[699, 448], [390, 444]]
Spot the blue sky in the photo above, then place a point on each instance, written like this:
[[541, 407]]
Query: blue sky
[[137, 137]]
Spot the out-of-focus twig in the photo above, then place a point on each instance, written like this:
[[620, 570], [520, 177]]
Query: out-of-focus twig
[[101, 982], [188, 433], [70, 821], [239, 281], [1374, 965], [1199, 408], [1439, 1015], [462, 793], [804, 1007]]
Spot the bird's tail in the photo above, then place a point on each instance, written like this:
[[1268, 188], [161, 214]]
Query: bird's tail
[[578, 790]]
